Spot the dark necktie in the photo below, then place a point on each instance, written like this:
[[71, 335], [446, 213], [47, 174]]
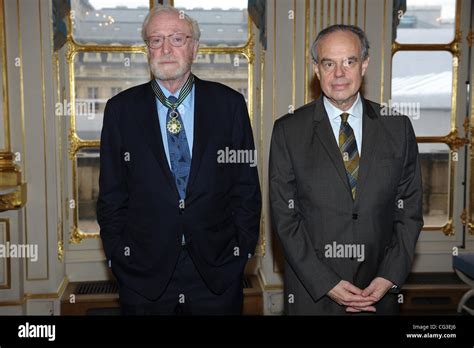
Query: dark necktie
[[180, 156], [350, 155]]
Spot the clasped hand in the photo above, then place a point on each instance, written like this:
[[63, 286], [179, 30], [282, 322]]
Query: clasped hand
[[360, 300]]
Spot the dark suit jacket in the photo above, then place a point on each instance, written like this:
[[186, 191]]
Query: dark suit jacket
[[138, 205], [306, 166]]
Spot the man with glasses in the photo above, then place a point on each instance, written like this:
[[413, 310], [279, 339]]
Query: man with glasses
[[178, 224], [345, 190]]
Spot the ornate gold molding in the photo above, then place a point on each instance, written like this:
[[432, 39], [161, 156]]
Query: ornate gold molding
[[77, 235], [12, 190], [4, 87], [451, 139], [60, 251], [470, 228], [470, 38], [74, 143], [8, 270], [455, 45], [13, 198], [452, 47], [59, 236], [466, 221], [448, 229]]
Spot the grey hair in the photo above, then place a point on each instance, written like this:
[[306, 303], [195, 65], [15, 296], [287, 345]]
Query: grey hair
[[364, 42], [169, 9]]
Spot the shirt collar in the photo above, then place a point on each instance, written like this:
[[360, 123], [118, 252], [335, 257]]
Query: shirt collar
[[167, 93], [335, 113]]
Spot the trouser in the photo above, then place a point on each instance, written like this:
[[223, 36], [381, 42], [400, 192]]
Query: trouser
[[185, 294]]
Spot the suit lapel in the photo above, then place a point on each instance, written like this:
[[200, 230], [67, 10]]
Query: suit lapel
[[370, 132], [152, 132], [202, 114], [323, 131]]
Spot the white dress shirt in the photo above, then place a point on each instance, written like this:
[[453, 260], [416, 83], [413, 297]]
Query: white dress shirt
[[354, 119]]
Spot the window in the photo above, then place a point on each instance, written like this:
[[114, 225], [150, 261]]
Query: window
[[106, 22], [224, 41], [424, 66], [226, 48], [107, 56], [111, 76], [427, 22], [93, 97]]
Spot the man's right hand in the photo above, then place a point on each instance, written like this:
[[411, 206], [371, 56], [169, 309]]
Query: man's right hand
[[349, 295]]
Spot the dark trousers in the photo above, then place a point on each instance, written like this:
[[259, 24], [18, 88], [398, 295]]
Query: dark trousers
[[185, 294]]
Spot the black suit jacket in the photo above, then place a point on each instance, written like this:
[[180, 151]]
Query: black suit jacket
[[138, 210], [306, 166]]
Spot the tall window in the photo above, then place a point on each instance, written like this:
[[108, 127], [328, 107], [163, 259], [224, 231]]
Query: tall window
[[108, 56], [424, 72]]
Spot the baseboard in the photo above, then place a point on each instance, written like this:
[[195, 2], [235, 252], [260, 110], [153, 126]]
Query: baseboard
[[101, 298]]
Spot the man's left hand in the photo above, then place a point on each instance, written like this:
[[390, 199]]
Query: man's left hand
[[376, 289]]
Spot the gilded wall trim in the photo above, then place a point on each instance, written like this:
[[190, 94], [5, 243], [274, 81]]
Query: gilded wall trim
[[7, 261], [6, 115]]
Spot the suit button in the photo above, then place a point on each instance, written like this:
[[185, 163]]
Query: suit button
[[355, 216]]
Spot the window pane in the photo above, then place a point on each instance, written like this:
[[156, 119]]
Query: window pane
[[228, 69], [98, 77], [427, 21], [435, 158], [219, 23], [88, 188], [108, 22], [422, 90]]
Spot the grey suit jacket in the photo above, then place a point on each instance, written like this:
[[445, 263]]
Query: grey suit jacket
[[312, 206]]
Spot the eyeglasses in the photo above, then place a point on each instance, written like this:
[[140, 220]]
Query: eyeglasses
[[176, 40], [347, 64]]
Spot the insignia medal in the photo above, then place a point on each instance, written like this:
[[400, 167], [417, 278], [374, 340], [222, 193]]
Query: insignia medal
[[173, 125]]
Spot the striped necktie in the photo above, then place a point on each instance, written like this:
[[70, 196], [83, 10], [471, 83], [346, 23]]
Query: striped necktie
[[350, 155]]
